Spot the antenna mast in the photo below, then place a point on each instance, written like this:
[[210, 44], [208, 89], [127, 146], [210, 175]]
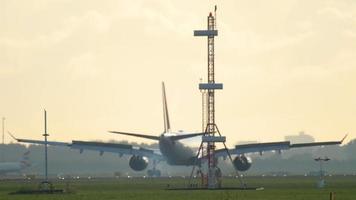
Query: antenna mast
[[45, 138], [209, 178], [3, 140], [210, 173]]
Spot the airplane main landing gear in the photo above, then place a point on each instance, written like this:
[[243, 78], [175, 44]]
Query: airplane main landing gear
[[154, 172]]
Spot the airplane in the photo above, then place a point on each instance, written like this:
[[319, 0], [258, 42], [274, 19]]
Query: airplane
[[173, 151], [15, 167]]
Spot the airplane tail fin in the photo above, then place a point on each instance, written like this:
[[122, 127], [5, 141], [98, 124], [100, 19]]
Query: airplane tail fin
[[167, 125], [25, 160]]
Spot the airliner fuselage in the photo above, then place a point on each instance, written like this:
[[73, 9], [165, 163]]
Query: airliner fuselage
[[175, 152]]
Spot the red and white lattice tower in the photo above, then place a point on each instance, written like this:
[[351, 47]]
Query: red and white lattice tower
[[209, 162]]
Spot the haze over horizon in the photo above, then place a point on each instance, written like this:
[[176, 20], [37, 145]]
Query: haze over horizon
[[287, 66]]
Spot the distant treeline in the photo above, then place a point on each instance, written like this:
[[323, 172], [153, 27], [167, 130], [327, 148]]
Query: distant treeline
[[64, 161]]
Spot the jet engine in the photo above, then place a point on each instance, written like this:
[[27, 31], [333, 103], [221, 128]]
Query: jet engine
[[242, 163], [138, 163]]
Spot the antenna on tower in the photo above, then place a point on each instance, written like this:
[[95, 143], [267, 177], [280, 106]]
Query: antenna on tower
[[215, 8]]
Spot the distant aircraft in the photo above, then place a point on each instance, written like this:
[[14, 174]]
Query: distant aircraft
[[15, 167], [173, 151]]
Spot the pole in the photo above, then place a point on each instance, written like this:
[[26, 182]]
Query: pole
[[321, 182], [45, 136], [321, 169], [332, 196], [3, 140], [3, 130]]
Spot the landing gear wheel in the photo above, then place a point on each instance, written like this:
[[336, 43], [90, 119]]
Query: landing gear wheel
[[158, 173]]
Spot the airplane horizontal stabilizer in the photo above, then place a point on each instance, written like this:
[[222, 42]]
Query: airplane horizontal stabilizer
[[151, 137]]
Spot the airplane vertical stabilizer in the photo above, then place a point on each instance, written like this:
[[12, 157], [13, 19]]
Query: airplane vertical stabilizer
[[167, 126]]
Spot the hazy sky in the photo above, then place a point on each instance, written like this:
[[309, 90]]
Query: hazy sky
[[286, 65]]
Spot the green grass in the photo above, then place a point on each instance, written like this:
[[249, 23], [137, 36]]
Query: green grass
[[290, 188]]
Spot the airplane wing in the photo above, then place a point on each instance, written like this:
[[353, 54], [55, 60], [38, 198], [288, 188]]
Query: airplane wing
[[43, 142], [121, 149], [101, 147], [271, 146]]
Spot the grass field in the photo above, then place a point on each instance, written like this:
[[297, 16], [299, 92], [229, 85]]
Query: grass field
[[275, 188]]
